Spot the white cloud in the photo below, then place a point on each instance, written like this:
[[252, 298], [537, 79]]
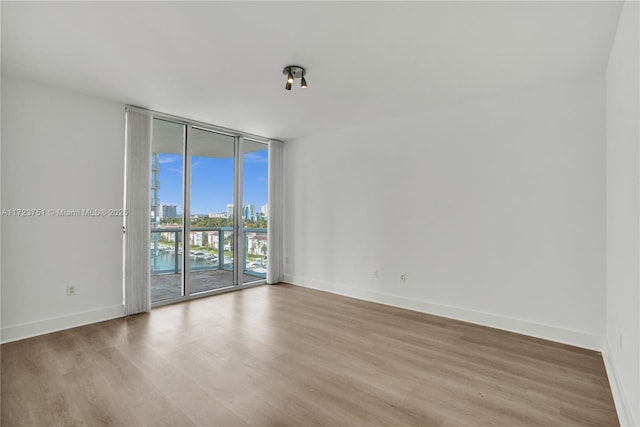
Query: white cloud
[[255, 157], [169, 158]]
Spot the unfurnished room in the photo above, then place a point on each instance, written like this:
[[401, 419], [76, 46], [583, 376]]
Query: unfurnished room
[[320, 213]]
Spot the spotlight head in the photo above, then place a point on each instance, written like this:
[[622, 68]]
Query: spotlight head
[[294, 72]]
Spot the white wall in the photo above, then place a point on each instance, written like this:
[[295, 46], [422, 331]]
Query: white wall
[[60, 150], [622, 346], [494, 209]]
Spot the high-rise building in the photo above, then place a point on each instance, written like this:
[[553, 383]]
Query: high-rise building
[[249, 212], [263, 210], [167, 211]]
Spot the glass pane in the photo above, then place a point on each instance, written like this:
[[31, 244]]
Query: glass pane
[[167, 164], [254, 210], [211, 207]]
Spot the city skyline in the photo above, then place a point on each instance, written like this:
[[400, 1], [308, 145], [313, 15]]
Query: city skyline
[[212, 181]]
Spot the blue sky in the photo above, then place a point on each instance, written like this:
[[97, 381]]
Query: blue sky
[[212, 181]]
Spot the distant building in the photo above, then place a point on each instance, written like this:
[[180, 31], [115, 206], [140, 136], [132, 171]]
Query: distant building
[[168, 236], [257, 244], [263, 211], [218, 215], [212, 238], [167, 211], [196, 238], [248, 212]]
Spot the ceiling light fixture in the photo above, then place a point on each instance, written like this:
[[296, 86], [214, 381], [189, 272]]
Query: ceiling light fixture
[[294, 72]]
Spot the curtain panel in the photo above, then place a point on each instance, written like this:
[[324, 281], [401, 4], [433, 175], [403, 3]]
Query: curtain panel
[[137, 199], [275, 212]]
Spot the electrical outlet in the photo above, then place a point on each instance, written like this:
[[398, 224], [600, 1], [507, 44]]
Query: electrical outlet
[[375, 274], [71, 290], [403, 277]]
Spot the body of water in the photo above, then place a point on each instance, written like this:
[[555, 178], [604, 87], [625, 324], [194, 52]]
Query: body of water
[[165, 262]]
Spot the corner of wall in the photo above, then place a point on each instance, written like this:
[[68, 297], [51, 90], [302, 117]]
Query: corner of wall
[[623, 407]]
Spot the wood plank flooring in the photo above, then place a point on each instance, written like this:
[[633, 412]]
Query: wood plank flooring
[[289, 356]]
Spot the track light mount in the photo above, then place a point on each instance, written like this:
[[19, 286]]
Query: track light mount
[[294, 72]]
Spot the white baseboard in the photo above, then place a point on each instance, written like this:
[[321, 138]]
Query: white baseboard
[[625, 416], [525, 327], [53, 324]]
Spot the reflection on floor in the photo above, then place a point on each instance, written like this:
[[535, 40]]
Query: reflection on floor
[[168, 286]]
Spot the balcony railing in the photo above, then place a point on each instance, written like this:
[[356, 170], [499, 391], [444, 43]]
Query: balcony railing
[[211, 248]]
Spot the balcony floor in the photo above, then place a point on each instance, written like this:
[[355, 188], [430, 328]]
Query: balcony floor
[[168, 286]]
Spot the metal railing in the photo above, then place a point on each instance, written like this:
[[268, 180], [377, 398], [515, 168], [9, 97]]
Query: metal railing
[[166, 250]]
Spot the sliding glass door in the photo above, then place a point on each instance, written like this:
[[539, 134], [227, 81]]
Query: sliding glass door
[[208, 211], [167, 174], [211, 184], [255, 161]]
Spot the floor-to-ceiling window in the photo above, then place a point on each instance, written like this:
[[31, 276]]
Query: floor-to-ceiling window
[[208, 213], [255, 165], [167, 188]]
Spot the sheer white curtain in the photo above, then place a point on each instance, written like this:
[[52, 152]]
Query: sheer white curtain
[[137, 298], [274, 214]]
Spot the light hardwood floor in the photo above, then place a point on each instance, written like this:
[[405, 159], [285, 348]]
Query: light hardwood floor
[[289, 356]]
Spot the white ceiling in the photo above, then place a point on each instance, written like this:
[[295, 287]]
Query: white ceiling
[[221, 62]]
